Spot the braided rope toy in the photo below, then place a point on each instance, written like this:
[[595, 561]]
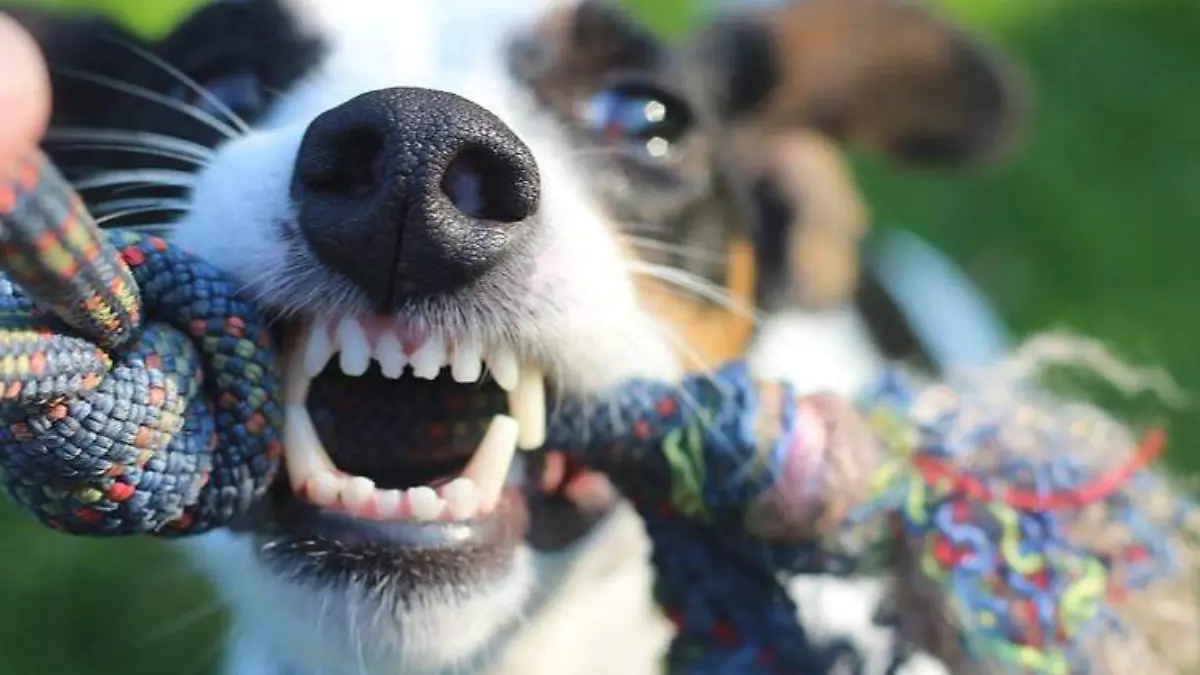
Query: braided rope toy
[[139, 395], [143, 401]]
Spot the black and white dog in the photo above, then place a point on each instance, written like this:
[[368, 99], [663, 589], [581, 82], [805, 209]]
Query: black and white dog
[[459, 209]]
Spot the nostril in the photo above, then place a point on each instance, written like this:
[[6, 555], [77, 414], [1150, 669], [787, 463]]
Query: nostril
[[484, 185], [463, 184], [348, 162]]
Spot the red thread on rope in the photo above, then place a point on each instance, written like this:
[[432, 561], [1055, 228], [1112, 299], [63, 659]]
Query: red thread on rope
[[936, 471]]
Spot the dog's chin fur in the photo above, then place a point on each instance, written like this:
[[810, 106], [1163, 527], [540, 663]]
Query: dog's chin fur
[[586, 611], [579, 315]]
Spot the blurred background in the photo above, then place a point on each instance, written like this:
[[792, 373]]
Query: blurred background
[[1093, 227]]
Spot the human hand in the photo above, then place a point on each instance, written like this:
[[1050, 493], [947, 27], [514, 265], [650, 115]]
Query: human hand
[[24, 92]]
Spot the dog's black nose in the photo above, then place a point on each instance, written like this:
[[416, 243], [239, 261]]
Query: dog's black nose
[[410, 192]]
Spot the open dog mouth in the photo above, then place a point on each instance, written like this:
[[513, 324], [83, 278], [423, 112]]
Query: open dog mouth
[[389, 425]]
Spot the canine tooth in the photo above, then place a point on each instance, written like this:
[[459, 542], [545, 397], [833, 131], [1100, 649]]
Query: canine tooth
[[295, 380], [467, 363], [325, 488], [306, 457], [356, 351], [318, 348], [504, 367], [358, 493], [429, 359], [387, 503], [527, 403], [390, 354], [462, 498], [425, 503], [488, 468]]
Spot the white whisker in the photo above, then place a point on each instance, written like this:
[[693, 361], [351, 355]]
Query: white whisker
[[678, 249], [628, 228], [153, 229], [154, 177], [238, 122], [135, 211], [149, 203], [152, 96], [134, 149], [691, 283], [132, 138]]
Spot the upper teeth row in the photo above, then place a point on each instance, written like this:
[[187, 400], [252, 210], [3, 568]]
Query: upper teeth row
[[357, 346]]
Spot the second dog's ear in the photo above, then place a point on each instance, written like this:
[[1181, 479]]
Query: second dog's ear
[[887, 76], [789, 87]]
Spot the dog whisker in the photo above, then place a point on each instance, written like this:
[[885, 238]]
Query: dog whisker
[[160, 230], [134, 150], [693, 284], [239, 124], [692, 252], [102, 209], [152, 96], [140, 177], [195, 151]]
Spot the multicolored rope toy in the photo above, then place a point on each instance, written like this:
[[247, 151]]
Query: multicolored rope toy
[[139, 395], [138, 389], [1027, 524]]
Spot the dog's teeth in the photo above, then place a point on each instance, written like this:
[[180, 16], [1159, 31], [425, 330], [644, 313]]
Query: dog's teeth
[[387, 503], [488, 468], [306, 456], [425, 504], [504, 368], [295, 380], [390, 354], [325, 488], [527, 403], [429, 358], [358, 495], [318, 348], [467, 362], [462, 498], [355, 350]]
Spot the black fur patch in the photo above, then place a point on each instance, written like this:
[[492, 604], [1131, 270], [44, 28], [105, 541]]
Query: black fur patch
[[771, 230], [101, 81], [739, 67]]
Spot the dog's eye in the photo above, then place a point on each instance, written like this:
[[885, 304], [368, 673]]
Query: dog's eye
[[645, 118], [240, 92]]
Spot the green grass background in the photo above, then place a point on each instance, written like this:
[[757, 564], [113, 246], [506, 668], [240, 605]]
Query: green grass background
[[1094, 227]]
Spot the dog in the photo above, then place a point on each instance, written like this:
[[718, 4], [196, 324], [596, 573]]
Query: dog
[[457, 210]]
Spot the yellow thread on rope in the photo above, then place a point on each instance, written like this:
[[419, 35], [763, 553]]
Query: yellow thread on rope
[[1025, 564], [683, 449], [1081, 600]]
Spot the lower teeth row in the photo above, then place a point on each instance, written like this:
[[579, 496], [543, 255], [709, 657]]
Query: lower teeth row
[[457, 500], [474, 493]]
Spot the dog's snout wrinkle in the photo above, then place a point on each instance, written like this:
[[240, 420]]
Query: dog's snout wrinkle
[[411, 192]]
